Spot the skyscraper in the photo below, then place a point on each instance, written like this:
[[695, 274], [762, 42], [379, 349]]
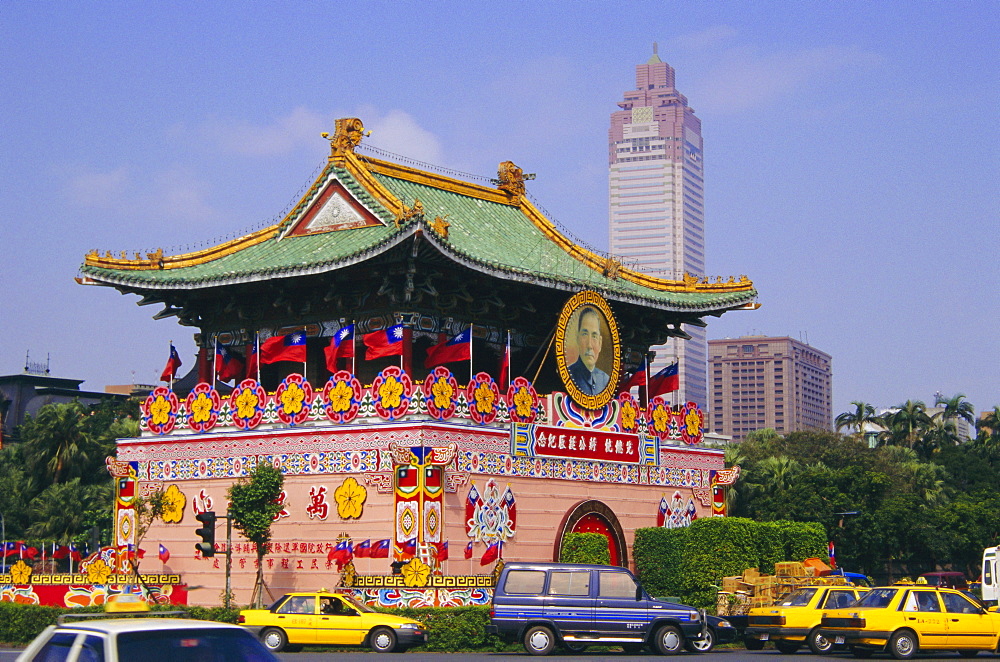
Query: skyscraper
[[657, 221], [763, 382]]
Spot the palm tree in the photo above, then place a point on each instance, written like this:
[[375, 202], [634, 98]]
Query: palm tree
[[56, 443], [939, 434], [955, 407], [863, 414], [907, 423], [988, 428]]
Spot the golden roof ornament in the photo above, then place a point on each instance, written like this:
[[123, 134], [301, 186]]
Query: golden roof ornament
[[511, 179], [347, 135]]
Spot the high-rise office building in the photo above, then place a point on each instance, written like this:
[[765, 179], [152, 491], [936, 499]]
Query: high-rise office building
[[657, 221], [763, 382]]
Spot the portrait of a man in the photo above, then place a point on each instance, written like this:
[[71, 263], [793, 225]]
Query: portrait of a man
[[590, 379]]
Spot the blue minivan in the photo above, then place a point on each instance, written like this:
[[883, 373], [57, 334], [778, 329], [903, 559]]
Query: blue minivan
[[543, 605]]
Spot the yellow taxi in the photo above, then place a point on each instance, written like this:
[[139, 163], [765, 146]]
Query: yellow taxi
[[325, 617], [794, 619], [908, 618]]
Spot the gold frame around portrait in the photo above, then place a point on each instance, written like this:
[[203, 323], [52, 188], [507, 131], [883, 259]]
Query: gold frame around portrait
[[575, 303]]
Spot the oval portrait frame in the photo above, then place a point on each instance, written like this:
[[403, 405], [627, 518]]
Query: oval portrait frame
[[578, 301]]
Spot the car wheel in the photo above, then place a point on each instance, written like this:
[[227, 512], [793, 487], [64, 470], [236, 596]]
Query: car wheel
[[818, 644], [703, 645], [786, 647], [903, 645], [752, 644], [539, 640], [274, 639], [382, 640], [669, 640]]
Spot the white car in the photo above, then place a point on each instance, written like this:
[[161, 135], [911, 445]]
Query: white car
[[145, 639]]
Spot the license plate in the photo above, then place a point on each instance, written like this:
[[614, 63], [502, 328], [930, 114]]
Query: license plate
[[838, 640], [764, 637]]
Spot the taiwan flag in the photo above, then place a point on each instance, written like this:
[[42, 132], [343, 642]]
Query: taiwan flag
[[665, 381], [284, 348], [173, 363], [409, 548], [505, 366], [342, 553], [164, 553], [252, 360], [12, 548], [363, 550], [468, 550], [380, 550], [387, 342], [60, 552], [458, 348], [492, 554], [341, 345], [442, 551], [638, 378], [228, 365], [74, 552]]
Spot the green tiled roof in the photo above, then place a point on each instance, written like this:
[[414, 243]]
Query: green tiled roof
[[484, 234]]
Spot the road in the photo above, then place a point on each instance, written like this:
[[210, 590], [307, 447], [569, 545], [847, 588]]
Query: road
[[720, 655]]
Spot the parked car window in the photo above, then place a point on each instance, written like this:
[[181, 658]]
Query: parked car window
[[799, 598], [298, 604], [880, 597], [92, 650], [524, 582], [576, 582], [190, 645], [839, 599], [959, 604], [57, 648], [615, 585], [922, 601]]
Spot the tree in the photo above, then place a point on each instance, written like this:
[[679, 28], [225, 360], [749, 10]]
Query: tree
[[907, 423], [254, 502], [57, 445], [955, 407], [862, 415], [59, 512]]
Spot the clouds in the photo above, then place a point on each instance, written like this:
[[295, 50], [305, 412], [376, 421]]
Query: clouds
[[300, 127], [398, 132]]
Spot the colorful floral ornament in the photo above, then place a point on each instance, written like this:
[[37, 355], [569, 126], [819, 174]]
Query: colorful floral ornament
[[98, 572], [522, 401], [342, 397], [20, 573], [293, 399], [159, 411], [692, 431], [659, 415], [392, 391], [629, 411], [247, 403], [482, 395], [416, 573], [350, 497], [440, 391], [173, 504], [203, 407]]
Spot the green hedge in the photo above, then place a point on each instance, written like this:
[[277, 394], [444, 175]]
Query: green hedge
[[690, 562], [585, 548]]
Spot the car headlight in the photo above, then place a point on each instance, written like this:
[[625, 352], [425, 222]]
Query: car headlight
[[695, 617], [409, 626], [723, 624]]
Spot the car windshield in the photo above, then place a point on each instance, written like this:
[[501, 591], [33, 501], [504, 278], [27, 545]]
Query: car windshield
[[358, 605], [879, 597], [798, 598], [192, 645]]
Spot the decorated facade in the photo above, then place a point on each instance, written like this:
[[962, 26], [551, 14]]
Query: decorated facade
[[437, 372]]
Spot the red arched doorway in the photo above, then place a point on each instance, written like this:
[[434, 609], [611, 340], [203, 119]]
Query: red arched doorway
[[594, 523], [594, 517]]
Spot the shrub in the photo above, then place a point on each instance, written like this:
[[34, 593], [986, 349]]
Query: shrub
[[585, 548]]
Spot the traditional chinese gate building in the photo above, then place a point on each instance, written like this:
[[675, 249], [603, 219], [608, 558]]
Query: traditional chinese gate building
[[450, 465]]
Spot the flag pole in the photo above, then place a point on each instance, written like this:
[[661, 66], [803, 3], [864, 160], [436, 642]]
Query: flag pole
[[470, 351], [256, 342], [171, 359], [215, 361], [645, 366], [354, 352]]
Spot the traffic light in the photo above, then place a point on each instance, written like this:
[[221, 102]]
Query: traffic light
[[207, 533]]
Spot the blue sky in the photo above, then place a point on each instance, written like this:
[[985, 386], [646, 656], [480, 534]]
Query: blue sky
[[851, 153]]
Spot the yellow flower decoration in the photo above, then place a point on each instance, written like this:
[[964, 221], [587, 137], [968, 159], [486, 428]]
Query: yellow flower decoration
[[292, 398], [661, 419], [390, 391], [160, 410], [416, 573], [350, 498], [201, 409], [246, 403], [484, 398], [628, 416], [98, 572], [443, 393], [20, 573], [693, 423], [522, 402], [173, 504], [350, 574], [340, 397]]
